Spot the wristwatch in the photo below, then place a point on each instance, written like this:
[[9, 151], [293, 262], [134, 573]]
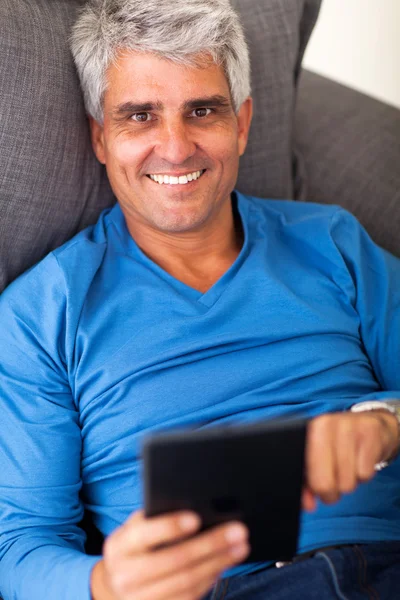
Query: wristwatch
[[392, 406]]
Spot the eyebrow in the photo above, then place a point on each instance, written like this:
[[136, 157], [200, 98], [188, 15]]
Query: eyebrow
[[215, 100], [133, 107]]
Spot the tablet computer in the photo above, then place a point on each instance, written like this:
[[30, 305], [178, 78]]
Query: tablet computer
[[251, 473]]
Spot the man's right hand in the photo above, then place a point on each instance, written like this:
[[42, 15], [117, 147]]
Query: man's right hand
[[140, 564]]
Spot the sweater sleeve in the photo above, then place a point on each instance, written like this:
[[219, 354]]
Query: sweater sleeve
[[372, 282], [41, 547]]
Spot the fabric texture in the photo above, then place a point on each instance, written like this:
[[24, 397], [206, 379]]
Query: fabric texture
[[306, 321], [349, 153], [51, 185], [356, 572], [277, 33]]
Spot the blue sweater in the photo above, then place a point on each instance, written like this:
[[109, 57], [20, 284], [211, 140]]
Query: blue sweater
[[100, 346]]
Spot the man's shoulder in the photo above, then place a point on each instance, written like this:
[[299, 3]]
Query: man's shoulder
[[92, 238], [71, 264], [293, 211]]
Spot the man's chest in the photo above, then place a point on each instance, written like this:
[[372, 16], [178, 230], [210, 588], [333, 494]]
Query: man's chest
[[154, 359], [149, 356]]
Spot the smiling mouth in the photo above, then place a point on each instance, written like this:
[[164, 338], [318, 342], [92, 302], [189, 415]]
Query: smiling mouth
[[174, 180]]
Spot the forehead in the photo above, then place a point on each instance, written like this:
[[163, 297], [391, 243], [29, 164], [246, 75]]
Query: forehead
[[145, 77]]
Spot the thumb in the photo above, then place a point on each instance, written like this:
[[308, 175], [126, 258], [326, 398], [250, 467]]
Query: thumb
[[308, 500]]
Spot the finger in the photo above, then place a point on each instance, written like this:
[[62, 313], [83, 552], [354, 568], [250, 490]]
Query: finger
[[192, 582], [308, 500], [320, 460], [370, 449], [187, 554], [140, 534], [345, 448]]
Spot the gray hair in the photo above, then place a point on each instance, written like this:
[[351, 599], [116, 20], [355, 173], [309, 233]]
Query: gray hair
[[180, 31]]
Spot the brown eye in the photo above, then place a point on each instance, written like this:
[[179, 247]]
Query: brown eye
[[141, 117], [202, 112]]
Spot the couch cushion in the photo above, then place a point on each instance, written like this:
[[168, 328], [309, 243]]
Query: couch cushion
[[51, 185], [350, 149], [277, 33]]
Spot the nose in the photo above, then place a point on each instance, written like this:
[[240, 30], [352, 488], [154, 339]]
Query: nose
[[175, 143]]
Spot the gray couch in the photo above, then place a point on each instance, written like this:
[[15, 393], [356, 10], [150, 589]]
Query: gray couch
[[349, 149], [311, 139]]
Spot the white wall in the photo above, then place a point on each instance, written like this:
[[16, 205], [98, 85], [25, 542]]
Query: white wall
[[357, 43]]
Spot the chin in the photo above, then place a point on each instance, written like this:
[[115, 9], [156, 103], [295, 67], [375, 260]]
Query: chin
[[178, 226], [180, 223]]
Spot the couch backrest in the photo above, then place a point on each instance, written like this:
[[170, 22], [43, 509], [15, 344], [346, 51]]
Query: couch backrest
[[349, 145], [51, 185]]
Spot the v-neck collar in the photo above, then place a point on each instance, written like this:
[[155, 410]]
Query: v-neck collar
[[208, 298]]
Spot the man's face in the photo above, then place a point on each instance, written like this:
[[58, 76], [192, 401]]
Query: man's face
[[163, 119]]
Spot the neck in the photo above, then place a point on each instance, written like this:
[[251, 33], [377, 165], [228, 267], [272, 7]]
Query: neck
[[200, 257]]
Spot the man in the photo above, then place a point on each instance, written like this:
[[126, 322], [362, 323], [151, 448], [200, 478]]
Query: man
[[189, 304]]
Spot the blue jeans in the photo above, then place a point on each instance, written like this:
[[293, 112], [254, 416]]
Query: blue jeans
[[356, 572]]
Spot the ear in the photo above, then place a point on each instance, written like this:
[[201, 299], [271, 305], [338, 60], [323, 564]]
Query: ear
[[97, 136], [244, 117]]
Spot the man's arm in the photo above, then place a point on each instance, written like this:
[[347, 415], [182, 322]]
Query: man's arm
[[343, 448], [371, 280], [41, 547]]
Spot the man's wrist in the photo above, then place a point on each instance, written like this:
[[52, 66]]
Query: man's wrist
[[391, 424], [388, 411]]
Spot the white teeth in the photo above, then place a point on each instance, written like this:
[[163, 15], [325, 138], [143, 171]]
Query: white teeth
[[171, 180]]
